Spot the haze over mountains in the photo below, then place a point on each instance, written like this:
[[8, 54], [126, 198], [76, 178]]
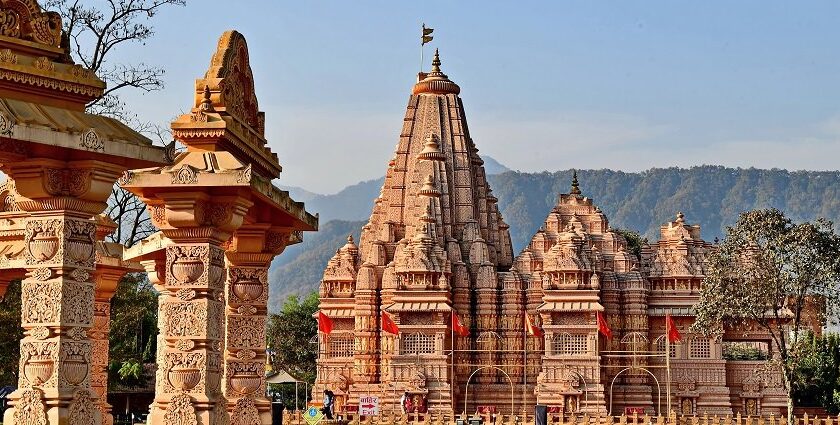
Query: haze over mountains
[[711, 196]]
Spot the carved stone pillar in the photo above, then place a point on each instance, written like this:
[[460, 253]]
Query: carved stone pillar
[[248, 256], [110, 269], [57, 311], [198, 202]]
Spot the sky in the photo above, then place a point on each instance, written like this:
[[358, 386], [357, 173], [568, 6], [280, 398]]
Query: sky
[[624, 85]]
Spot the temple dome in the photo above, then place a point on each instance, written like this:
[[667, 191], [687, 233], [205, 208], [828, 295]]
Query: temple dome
[[435, 82]]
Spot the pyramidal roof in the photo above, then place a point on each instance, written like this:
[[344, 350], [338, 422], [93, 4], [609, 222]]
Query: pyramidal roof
[[435, 186]]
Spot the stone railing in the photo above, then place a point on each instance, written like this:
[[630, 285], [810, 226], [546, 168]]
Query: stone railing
[[295, 418]]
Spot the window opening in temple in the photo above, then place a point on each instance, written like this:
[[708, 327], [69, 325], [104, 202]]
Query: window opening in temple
[[565, 344], [418, 344], [699, 348], [660, 347], [341, 346]]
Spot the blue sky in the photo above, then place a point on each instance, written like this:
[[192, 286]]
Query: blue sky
[[547, 85]]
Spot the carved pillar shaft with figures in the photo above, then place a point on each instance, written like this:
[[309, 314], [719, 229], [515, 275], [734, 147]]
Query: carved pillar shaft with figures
[[248, 256]]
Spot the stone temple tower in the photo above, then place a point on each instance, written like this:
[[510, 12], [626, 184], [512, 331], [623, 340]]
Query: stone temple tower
[[435, 243]]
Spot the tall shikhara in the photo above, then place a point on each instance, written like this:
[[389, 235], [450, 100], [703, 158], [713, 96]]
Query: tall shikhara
[[435, 243]]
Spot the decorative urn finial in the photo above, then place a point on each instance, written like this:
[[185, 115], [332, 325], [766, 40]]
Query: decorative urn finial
[[575, 185]]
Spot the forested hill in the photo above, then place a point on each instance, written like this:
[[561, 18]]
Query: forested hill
[[711, 196]]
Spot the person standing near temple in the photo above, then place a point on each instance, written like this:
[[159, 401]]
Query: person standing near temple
[[329, 399]]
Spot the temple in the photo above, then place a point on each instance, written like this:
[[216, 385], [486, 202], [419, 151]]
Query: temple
[[436, 252]]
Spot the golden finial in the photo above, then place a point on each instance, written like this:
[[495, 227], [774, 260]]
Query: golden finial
[[575, 185], [436, 62]]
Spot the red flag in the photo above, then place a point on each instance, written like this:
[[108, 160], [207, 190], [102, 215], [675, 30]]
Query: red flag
[[530, 328], [671, 329], [603, 327], [388, 324], [457, 327], [325, 324]]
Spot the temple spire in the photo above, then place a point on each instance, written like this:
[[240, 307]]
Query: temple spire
[[436, 62], [575, 185]]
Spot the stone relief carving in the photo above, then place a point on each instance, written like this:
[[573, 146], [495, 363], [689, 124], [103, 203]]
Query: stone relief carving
[[42, 240], [7, 123], [247, 332], [75, 360], [40, 301], [248, 284], [186, 264], [67, 181], [91, 140], [30, 408], [79, 237], [82, 409], [245, 412], [185, 175], [180, 411]]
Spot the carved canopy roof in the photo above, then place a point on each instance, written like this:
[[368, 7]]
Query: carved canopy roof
[[36, 64], [226, 115], [43, 96]]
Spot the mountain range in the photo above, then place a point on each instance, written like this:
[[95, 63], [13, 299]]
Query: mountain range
[[711, 196]]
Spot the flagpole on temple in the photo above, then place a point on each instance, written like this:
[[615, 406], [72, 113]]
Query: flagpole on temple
[[425, 37], [668, 364], [452, 366], [524, 363]]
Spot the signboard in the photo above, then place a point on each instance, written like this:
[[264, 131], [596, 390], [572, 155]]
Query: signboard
[[629, 411], [486, 410], [368, 405], [313, 415]]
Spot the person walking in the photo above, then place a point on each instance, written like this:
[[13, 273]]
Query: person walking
[[329, 400]]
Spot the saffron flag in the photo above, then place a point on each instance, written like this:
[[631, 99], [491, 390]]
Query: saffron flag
[[457, 327], [671, 329], [530, 328], [427, 34], [325, 324], [603, 327], [388, 324]]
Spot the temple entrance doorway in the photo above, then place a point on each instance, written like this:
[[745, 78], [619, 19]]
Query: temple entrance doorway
[[467, 386]]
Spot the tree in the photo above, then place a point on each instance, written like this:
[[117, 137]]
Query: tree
[[634, 241], [777, 274], [12, 334], [289, 334], [133, 335], [288, 338], [94, 31], [817, 372]]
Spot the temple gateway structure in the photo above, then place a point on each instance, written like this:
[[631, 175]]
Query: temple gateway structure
[[437, 254], [221, 223]]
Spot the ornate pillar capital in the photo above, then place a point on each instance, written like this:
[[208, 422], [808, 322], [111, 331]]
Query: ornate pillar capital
[[77, 187]]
